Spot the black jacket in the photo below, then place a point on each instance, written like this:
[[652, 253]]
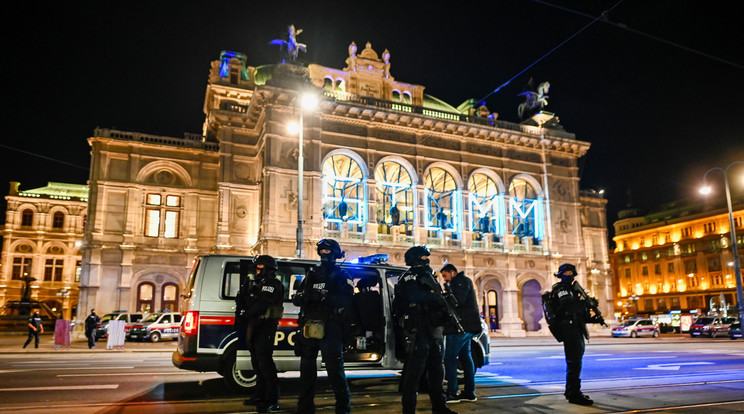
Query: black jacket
[[467, 305], [418, 295], [325, 292], [253, 302]]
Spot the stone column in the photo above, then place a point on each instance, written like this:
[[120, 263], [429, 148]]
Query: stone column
[[511, 324]]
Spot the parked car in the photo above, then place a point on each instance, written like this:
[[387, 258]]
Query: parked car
[[155, 327], [128, 317], [735, 330], [711, 326], [635, 328]]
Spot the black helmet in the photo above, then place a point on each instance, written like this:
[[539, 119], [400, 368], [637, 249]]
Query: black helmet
[[413, 256], [565, 267], [268, 262], [333, 246]]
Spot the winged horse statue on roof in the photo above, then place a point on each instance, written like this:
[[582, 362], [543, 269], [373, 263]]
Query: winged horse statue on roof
[[535, 99], [293, 48]]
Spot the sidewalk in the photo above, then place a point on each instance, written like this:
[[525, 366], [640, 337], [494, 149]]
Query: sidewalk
[[13, 344]]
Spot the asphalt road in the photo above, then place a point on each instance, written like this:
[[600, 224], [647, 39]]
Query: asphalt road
[[676, 374]]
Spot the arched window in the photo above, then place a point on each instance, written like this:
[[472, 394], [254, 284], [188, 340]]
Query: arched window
[[484, 203], [343, 193], [394, 197], [169, 299], [328, 83], [396, 95], [441, 194], [340, 85], [146, 297], [525, 210], [58, 220], [54, 266], [407, 98], [22, 261], [27, 217]]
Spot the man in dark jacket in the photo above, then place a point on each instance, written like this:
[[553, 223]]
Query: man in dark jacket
[[35, 328], [259, 306], [421, 308], [457, 344], [91, 324], [325, 294]]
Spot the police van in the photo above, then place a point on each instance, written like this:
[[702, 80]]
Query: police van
[[207, 340]]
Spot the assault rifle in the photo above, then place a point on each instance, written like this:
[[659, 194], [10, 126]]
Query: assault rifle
[[451, 301], [592, 304]]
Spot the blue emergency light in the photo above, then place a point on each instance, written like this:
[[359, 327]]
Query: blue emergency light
[[373, 259]]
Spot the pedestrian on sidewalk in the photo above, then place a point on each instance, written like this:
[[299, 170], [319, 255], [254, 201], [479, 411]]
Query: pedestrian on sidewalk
[[456, 343], [91, 325], [35, 328]]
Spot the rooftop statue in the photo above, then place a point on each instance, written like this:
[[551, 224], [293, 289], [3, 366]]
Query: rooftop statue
[[293, 48], [535, 99]]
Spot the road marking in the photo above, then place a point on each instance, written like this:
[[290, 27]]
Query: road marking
[[552, 357], [634, 358], [65, 388], [674, 367], [120, 374]]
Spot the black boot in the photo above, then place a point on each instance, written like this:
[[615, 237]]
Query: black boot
[[581, 399]]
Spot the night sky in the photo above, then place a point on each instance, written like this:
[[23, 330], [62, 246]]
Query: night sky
[[657, 115]]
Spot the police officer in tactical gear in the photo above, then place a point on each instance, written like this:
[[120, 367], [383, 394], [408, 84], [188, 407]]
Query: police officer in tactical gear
[[259, 306], [571, 314], [325, 294], [420, 306]]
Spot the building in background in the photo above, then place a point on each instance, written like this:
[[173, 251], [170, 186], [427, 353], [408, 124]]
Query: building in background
[[386, 167], [676, 259], [42, 235]]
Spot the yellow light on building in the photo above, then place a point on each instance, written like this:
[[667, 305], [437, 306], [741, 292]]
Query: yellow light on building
[[635, 246], [639, 289], [652, 290], [623, 292], [620, 303], [667, 288]]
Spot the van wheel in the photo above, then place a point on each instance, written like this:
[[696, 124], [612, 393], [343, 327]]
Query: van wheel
[[656, 334], [633, 334], [155, 337], [237, 380]]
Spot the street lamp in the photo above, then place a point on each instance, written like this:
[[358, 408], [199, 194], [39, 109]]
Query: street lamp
[[734, 248], [308, 102], [634, 300]]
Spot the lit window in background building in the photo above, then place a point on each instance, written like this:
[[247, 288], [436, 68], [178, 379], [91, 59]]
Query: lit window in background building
[[441, 209], [394, 197], [525, 210], [156, 210], [343, 193], [484, 203]]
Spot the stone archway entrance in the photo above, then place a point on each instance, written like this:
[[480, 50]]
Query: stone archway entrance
[[532, 313], [492, 308]]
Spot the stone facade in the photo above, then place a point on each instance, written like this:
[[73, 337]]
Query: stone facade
[[42, 235], [385, 167]]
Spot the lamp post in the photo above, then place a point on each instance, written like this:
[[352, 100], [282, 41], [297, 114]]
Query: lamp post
[[634, 300], [308, 101], [734, 248]]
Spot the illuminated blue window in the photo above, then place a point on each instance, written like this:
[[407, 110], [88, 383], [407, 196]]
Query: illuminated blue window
[[225, 67], [343, 193], [525, 209], [441, 195], [484, 202], [394, 197]]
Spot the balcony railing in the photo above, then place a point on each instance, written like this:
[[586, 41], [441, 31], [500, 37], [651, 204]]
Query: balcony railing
[[451, 116]]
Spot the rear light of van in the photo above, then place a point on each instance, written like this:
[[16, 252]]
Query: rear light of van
[[191, 323]]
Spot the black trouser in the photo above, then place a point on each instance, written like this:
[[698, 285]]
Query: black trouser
[[261, 347], [573, 345], [331, 348], [32, 335], [91, 334], [427, 357]]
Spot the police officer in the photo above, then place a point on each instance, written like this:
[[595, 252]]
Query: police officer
[[570, 312], [259, 306], [418, 300], [91, 324], [457, 344], [35, 328], [325, 294]]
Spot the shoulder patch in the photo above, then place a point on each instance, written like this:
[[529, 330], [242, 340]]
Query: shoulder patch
[[269, 289]]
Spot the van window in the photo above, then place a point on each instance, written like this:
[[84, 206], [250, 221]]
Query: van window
[[192, 278], [290, 274], [136, 318], [177, 318], [166, 319]]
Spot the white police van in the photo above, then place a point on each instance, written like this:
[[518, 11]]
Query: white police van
[[207, 340]]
